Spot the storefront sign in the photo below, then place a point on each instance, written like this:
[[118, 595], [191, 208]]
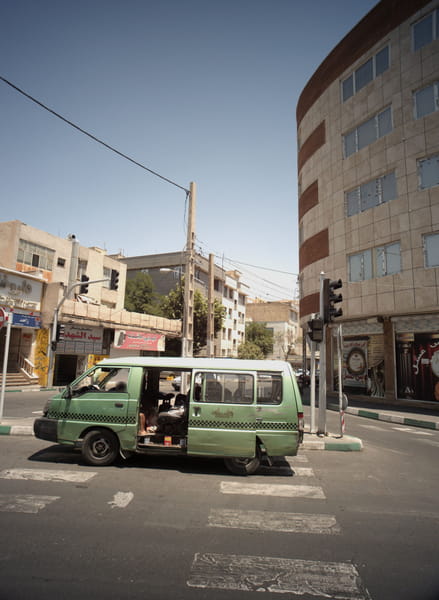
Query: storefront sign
[[139, 340], [80, 339], [16, 291], [22, 320]]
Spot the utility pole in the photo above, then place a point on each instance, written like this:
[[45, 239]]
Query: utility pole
[[210, 311], [187, 347]]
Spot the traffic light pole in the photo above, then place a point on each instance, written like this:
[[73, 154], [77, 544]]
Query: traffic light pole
[[52, 342], [321, 430]]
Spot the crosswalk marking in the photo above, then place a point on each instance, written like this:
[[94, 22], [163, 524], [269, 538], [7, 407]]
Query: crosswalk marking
[[47, 475], [299, 458], [273, 521], [24, 503], [121, 499], [267, 489], [338, 581]]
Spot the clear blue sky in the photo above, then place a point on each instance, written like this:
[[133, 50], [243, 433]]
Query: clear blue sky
[[196, 90]]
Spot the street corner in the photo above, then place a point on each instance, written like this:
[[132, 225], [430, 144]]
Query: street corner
[[347, 443]]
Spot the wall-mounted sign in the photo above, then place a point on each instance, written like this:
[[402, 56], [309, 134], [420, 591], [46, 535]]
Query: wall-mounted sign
[[80, 339], [22, 320], [139, 340], [16, 291]]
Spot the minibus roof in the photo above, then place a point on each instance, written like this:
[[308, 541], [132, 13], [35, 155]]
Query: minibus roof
[[169, 362]]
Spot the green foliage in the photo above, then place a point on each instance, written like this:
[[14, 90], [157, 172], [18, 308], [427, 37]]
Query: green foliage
[[140, 296], [258, 334], [250, 350], [172, 308]]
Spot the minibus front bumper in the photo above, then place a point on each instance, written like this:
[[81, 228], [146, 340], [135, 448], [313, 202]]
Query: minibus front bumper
[[46, 429]]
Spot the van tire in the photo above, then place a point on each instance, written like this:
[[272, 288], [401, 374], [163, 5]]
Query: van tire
[[100, 447], [242, 466]]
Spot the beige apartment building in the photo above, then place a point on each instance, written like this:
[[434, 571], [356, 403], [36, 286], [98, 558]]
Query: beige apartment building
[[368, 173], [40, 283], [282, 318]]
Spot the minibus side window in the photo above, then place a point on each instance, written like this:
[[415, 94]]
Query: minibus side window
[[269, 388], [103, 379], [225, 388]]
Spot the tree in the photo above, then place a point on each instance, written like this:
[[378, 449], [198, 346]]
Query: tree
[[261, 336], [172, 308], [250, 350], [140, 296]]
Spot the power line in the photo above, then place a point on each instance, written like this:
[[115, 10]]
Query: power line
[[92, 136]]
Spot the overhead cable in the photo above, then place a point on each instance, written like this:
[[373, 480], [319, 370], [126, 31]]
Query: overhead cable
[[93, 137]]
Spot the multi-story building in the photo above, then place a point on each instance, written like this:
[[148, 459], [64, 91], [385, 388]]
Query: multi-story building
[[40, 283], [166, 271], [368, 173], [282, 318]]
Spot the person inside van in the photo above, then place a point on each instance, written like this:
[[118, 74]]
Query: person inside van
[[148, 420]]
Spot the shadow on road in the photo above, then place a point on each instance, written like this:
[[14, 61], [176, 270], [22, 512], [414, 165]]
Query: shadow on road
[[58, 454]]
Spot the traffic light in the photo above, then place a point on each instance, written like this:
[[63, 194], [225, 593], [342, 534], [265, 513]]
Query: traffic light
[[315, 330], [114, 281], [60, 332], [84, 287], [330, 298]]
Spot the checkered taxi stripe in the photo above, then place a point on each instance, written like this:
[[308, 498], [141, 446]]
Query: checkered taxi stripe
[[68, 416], [269, 425]]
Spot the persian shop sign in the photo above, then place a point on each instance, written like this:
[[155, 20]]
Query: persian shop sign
[[78, 339], [19, 291], [139, 340]]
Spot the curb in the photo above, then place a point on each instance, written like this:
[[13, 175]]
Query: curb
[[16, 430], [330, 442], [379, 416]]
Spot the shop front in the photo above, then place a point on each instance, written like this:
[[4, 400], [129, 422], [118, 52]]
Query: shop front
[[20, 302], [76, 344], [417, 356]]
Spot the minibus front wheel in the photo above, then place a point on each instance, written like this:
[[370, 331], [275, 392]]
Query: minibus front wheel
[[242, 466], [100, 447]]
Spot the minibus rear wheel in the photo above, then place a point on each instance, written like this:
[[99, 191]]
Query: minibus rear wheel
[[242, 466], [100, 447]]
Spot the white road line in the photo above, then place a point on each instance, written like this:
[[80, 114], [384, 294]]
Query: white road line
[[46, 475], [412, 430], [273, 521], [121, 499], [267, 489], [338, 581], [24, 503]]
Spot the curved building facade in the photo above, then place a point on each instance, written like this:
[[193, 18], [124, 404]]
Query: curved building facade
[[368, 173]]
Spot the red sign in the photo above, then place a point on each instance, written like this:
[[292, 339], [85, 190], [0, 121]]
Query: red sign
[[139, 340], [3, 317]]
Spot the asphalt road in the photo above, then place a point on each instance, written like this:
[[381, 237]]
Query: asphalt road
[[351, 525]]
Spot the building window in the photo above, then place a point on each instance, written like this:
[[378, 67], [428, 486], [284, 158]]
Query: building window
[[368, 71], [107, 275], [426, 100], [426, 30], [368, 132], [61, 262], [388, 259], [371, 194], [431, 250], [35, 255], [428, 170], [387, 262]]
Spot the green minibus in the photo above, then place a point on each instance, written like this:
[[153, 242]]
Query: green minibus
[[240, 410]]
